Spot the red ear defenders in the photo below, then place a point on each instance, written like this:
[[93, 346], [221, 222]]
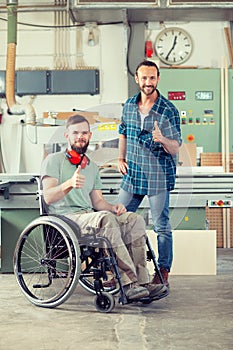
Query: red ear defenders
[[77, 159]]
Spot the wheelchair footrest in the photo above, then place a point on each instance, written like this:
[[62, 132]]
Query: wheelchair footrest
[[146, 300]]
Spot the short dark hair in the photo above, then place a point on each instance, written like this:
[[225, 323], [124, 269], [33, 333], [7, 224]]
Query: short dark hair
[[148, 63], [76, 119]]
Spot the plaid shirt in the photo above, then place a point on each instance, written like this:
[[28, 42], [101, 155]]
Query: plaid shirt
[[150, 168]]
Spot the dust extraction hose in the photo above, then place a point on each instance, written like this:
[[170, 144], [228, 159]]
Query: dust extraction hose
[[13, 106]]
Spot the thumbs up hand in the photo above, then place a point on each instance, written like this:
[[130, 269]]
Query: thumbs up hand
[[156, 133], [156, 124], [78, 179]]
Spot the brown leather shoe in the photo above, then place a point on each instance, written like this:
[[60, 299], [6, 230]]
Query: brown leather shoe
[[165, 274]]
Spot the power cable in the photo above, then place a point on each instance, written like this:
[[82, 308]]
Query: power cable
[[128, 50], [61, 26]]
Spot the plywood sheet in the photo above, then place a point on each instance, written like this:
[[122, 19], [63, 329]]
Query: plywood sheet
[[188, 154]]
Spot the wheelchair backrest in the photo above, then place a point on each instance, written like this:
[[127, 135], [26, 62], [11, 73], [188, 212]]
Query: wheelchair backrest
[[39, 193]]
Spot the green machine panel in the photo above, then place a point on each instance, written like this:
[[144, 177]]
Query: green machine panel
[[180, 218], [197, 95], [13, 222], [192, 219]]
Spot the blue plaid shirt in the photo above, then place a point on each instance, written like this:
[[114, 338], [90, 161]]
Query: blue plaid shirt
[[150, 168]]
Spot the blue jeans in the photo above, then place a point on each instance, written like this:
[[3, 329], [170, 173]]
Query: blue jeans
[[159, 206]]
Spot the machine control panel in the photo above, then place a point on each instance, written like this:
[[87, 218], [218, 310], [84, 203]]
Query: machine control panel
[[220, 203], [204, 95], [196, 95], [176, 95]]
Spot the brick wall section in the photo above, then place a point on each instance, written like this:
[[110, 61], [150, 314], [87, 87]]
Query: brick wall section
[[215, 159], [215, 215]]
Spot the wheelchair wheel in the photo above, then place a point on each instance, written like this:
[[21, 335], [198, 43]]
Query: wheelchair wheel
[[104, 302], [47, 261]]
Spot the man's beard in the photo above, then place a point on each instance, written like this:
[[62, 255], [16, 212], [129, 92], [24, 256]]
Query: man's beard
[[148, 93], [80, 150]]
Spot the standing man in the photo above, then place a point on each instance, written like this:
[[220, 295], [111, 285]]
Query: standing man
[[149, 141]]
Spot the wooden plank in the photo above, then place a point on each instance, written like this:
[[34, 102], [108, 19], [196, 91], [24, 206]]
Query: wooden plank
[[229, 44], [92, 117]]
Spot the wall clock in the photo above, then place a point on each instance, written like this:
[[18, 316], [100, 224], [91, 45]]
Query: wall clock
[[173, 46]]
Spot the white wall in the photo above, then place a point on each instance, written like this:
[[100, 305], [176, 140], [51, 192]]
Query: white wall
[[35, 49]]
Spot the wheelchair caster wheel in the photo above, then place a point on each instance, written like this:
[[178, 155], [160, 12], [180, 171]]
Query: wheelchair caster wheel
[[104, 302]]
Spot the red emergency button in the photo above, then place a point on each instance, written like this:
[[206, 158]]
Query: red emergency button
[[220, 203], [190, 138]]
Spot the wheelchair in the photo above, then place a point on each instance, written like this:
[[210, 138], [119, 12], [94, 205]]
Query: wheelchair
[[52, 256]]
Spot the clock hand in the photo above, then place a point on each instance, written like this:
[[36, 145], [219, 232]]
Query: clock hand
[[174, 44]]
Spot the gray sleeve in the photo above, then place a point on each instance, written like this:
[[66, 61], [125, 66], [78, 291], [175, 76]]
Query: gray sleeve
[[50, 167]]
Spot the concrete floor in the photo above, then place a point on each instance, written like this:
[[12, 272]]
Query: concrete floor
[[197, 315]]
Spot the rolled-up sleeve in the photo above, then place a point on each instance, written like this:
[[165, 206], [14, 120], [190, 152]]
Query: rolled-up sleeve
[[122, 129]]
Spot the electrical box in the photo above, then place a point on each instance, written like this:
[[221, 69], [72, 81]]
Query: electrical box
[[43, 82], [74, 82], [31, 82]]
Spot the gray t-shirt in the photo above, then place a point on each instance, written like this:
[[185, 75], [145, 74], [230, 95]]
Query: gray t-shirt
[[58, 166]]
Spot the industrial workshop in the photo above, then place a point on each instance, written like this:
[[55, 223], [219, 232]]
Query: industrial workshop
[[145, 77]]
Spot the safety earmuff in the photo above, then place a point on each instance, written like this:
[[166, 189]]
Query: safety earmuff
[[77, 159]]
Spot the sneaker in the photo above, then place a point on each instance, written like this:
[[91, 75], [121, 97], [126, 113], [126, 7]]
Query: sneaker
[[134, 291], [164, 273], [155, 290]]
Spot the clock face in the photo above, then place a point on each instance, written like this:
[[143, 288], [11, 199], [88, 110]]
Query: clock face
[[173, 46]]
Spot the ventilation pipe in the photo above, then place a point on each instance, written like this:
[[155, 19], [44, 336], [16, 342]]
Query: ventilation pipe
[[13, 106]]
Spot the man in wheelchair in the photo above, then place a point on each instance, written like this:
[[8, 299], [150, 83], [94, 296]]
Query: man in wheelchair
[[72, 187]]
